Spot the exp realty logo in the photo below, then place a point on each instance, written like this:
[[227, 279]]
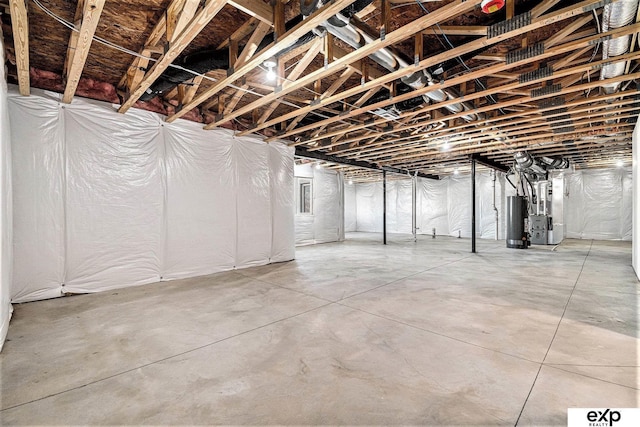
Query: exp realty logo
[[603, 417]]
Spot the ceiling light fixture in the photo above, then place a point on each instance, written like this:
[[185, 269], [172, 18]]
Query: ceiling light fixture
[[456, 171], [620, 163], [270, 64]]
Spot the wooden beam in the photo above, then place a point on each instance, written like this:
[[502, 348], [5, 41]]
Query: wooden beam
[[330, 91], [448, 11], [243, 31], [73, 38], [563, 14], [569, 47], [459, 30], [314, 49], [255, 8], [20, 28], [567, 30], [197, 24], [252, 45], [178, 15], [305, 26], [543, 7], [484, 109], [92, 9]]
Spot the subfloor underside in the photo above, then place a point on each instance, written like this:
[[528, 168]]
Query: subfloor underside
[[356, 332]]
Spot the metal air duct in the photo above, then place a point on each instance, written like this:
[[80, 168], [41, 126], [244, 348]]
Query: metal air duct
[[616, 15]]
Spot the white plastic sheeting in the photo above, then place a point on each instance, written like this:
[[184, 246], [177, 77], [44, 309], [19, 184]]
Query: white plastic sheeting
[[598, 204], [350, 208], [326, 221], [635, 191], [104, 200], [441, 204], [5, 207]]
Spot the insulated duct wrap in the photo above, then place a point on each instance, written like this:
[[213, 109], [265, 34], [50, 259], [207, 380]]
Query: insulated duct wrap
[[616, 15], [105, 200]]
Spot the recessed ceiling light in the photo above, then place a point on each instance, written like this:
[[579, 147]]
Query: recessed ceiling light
[[620, 163], [456, 171]]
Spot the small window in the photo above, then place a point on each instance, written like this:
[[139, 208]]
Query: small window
[[304, 196]]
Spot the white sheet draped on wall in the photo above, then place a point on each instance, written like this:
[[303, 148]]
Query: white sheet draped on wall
[[105, 200], [325, 223], [6, 212], [441, 204], [599, 205]]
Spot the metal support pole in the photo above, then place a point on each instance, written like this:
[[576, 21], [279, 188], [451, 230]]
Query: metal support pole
[[473, 206], [414, 208], [384, 207]]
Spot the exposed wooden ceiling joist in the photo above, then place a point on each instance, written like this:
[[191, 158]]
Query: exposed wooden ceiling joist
[[179, 43], [20, 26], [284, 41], [80, 43]]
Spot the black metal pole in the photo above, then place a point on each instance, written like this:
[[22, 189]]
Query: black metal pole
[[473, 206], [384, 207]]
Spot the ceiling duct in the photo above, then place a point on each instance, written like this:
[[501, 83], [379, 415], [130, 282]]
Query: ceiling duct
[[537, 167], [616, 15], [340, 26]]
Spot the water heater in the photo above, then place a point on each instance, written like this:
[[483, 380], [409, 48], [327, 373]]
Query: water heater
[[517, 222]]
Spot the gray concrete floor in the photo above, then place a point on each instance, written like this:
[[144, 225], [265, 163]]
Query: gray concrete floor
[[350, 333]]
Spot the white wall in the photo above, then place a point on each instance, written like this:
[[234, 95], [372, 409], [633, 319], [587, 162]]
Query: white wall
[[5, 205], [598, 205], [350, 208], [635, 191], [441, 204], [104, 200], [326, 222]]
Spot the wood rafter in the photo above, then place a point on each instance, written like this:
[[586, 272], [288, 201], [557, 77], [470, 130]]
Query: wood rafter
[[569, 47], [452, 9], [80, 43], [20, 27], [560, 15], [180, 41], [300, 67], [290, 36]]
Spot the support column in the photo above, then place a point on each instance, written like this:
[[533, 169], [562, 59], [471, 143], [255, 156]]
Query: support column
[[384, 207], [414, 208], [473, 206]]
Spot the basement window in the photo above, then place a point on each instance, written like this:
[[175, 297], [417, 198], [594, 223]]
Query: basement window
[[304, 196]]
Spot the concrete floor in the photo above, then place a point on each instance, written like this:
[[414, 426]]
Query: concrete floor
[[349, 333]]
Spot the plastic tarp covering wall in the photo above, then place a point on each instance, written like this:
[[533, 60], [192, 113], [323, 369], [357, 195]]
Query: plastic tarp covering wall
[[325, 223], [106, 200], [350, 208], [369, 207], [635, 193], [433, 207], [201, 208], [598, 204], [5, 207], [441, 204]]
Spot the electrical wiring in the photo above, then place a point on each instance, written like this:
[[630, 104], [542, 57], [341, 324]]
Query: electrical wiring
[[179, 67]]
